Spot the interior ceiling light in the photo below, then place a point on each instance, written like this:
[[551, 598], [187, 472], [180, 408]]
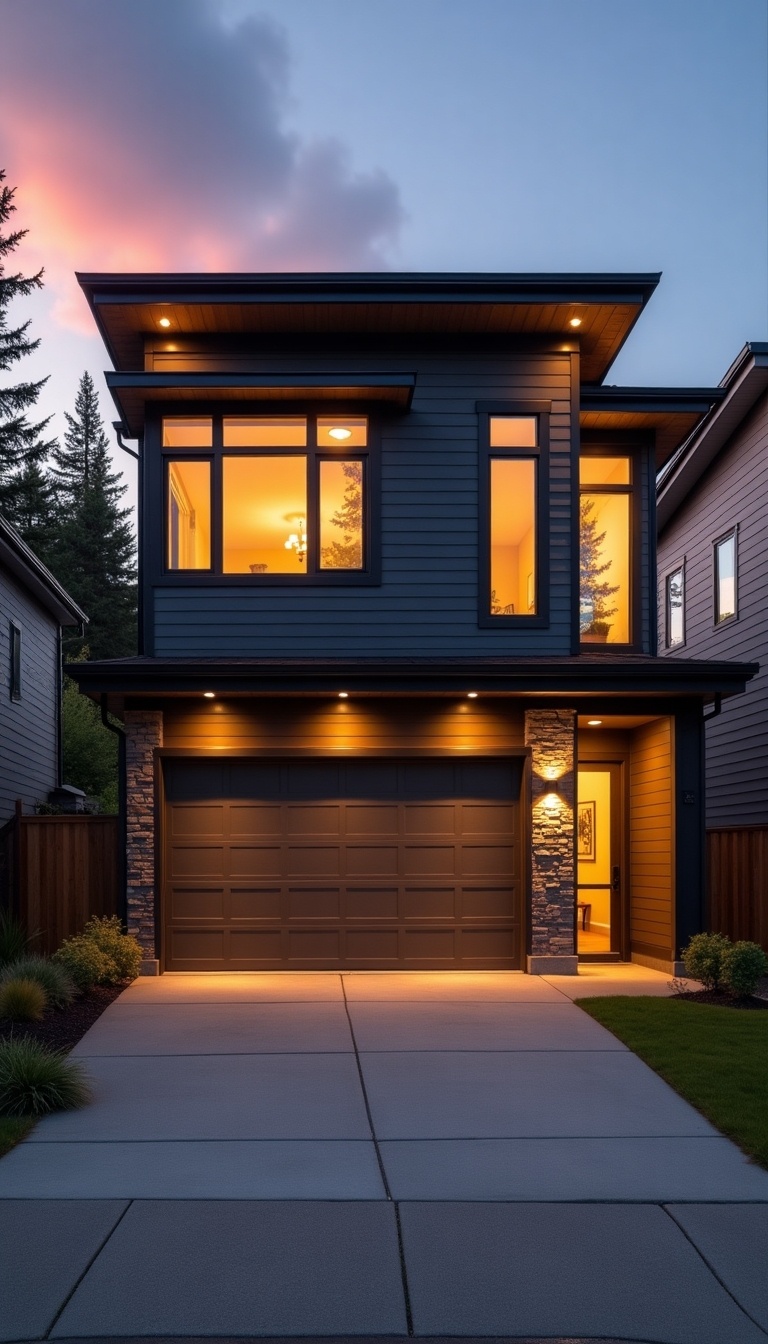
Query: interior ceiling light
[[575, 321], [340, 433], [209, 695], [164, 322], [471, 695], [343, 695], [594, 723]]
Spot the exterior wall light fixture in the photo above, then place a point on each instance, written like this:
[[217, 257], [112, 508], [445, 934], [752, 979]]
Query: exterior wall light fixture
[[471, 695], [343, 695], [209, 695]]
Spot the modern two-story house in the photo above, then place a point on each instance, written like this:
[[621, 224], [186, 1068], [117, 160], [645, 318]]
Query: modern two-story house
[[398, 703]]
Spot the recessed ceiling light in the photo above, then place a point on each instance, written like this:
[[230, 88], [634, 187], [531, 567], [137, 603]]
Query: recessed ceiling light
[[340, 433], [164, 322], [471, 695], [594, 723], [575, 321], [343, 695], [209, 695]]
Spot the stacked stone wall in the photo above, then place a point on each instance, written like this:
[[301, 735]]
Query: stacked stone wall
[[143, 733], [551, 735]]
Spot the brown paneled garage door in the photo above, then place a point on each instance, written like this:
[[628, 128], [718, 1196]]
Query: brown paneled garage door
[[328, 864]]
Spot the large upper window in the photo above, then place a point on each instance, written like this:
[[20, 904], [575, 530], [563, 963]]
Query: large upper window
[[725, 578], [605, 541], [513, 451], [266, 495]]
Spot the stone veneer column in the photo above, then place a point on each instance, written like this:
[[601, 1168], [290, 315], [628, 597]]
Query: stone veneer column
[[143, 732], [551, 734]]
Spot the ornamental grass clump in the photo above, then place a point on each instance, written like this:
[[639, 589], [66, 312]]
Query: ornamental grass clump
[[703, 959], [50, 975], [743, 967], [21, 1000], [14, 939], [35, 1081]]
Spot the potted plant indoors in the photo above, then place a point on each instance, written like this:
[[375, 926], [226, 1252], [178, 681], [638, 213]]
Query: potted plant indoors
[[594, 591]]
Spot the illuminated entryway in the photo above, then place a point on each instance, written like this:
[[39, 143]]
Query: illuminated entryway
[[598, 851]]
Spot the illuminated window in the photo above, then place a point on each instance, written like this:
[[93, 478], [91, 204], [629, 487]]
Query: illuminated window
[[14, 632], [511, 579], [342, 432], [605, 567], [725, 578], [675, 603], [341, 514], [184, 431], [264, 507], [265, 431], [189, 515]]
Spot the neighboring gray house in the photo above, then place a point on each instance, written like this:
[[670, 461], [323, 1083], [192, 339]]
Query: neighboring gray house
[[712, 517], [33, 609]]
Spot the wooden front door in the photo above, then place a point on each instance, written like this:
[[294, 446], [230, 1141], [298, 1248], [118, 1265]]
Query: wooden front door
[[321, 863]]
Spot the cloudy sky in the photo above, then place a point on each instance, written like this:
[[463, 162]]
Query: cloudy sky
[[395, 134]]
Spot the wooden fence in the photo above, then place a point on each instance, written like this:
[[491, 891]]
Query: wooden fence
[[737, 864], [58, 871]]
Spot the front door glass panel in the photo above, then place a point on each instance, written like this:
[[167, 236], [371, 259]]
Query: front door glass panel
[[596, 861]]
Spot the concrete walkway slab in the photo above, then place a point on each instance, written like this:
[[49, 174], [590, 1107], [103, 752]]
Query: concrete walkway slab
[[566, 1269], [733, 1240], [218, 1029], [448, 987], [210, 1097], [244, 1269], [237, 987], [268, 1169], [523, 1095], [477, 1026], [45, 1246], [638, 1169], [603, 978]]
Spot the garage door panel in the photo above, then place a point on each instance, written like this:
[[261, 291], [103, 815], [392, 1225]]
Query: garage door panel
[[342, 863]]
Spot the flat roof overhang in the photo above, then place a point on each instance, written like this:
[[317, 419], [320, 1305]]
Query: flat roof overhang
[[574, 677], [127, 308], [671, 414], [132, 392]]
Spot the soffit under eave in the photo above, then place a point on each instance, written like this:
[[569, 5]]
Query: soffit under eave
[[669, 428]]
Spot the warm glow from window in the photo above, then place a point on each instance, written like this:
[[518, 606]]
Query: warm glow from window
[[341, 515], [605, 567], [189, 515], [513, 431], [513, 536], [264, 503], [725, 578], [188, 432], [604, 471], [265, 431], [352, 431]]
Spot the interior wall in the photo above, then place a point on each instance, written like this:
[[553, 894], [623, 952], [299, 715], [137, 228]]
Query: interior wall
[[652, 851], [595, 786]]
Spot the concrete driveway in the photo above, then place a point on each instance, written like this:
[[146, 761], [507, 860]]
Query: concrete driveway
[[379, 1153]]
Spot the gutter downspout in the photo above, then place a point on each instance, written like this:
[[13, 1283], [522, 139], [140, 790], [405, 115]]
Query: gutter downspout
[[122, 815]]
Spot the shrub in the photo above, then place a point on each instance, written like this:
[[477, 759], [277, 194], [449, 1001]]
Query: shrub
[[21, 1000], [14, 939], [743, 965], [703, 958], [121, 948], [59, 987], [34, 1080], [84, 962]]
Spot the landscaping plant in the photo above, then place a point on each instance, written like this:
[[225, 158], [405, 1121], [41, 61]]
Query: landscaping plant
[[122, 949], [21, 1000], [703, 958], [50, 975], [84, 962], [743, 967], [14, 939], [36, 1081]]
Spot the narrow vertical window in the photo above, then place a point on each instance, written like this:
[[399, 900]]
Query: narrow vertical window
[[15, 668], [513, 484], [189, 515], [676, 608], [725, 578], [341, 514], [605, 554]]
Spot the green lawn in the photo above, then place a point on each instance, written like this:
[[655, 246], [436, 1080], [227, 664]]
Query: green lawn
[[12, 1131], [717, 1058]]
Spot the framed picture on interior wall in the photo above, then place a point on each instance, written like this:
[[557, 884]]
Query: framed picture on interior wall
[[585, 832]]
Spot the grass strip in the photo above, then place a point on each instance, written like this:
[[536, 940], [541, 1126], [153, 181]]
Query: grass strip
[[717, 1058], [12, 1130]]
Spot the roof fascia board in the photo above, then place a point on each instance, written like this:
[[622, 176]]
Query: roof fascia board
[[25, 566]]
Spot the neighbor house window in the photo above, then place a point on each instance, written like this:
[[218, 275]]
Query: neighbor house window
[[512, 481], [292, 492], [605, 549], [725, 577], [675, 603], [15, 666]]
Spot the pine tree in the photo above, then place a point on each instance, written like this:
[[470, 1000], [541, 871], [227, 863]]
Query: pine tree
[[96, 550], [348, 553], [595, 592], [22, 445]]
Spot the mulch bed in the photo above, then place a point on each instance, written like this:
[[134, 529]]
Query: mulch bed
[[62, 1028], [720, 999]]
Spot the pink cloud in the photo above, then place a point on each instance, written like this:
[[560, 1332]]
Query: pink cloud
[[149, 136]]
